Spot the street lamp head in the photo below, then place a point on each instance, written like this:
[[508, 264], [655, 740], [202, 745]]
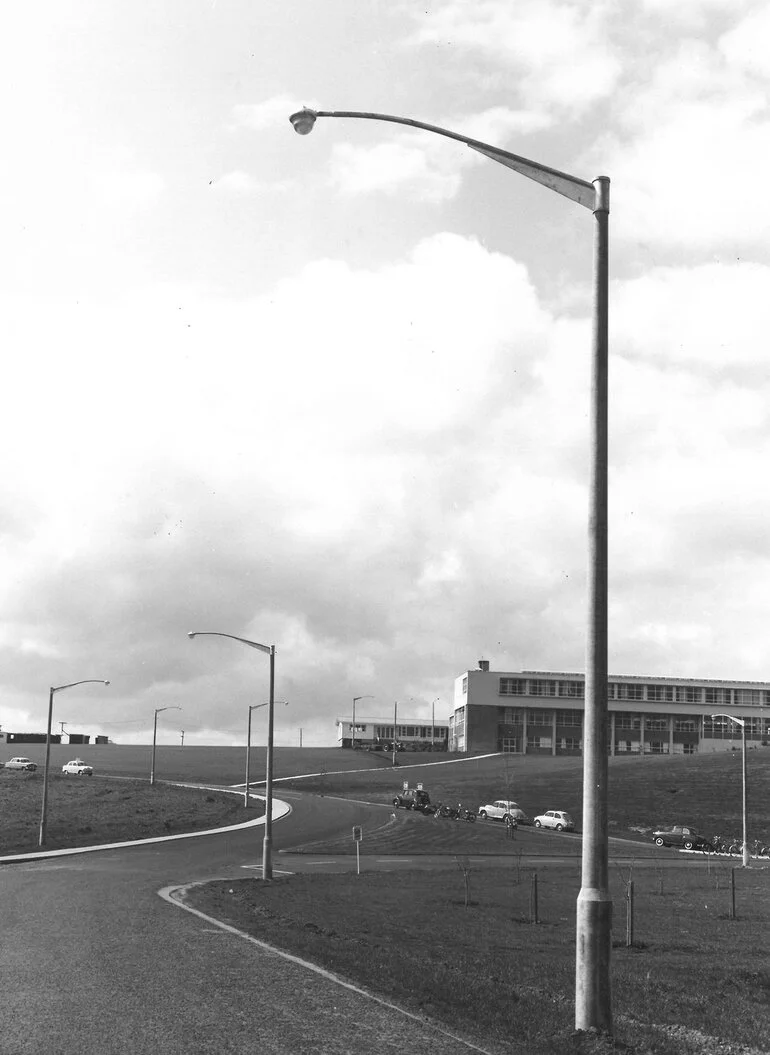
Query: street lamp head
[[191, 634], [303, 121], [106, 683]]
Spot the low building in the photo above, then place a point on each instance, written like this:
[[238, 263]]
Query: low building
[[413, 734], [541, 712]]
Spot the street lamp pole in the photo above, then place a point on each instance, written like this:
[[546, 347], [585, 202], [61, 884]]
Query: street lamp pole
[[52, 692], [744, 793], [253, 707], [593, 1001], [267, 843], [353, 723], [154, 738]]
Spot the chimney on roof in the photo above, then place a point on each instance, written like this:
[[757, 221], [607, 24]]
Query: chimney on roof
[[483, 664]]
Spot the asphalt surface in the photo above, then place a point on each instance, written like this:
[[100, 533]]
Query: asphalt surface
[[93, 960]]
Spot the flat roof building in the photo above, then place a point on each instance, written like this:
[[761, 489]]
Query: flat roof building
[[413, 734], [541, 712]]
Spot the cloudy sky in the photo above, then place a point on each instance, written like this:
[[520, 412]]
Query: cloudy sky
[[331, 392]]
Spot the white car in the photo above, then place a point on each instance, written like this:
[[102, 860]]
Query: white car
[[501, 809], [21, 763], [77, 767], [557, 819]]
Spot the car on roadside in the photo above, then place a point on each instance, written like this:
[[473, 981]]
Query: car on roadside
[[503, 810], [413, 799], [556, 819], [78, 768], [21, 763], [683, 836]]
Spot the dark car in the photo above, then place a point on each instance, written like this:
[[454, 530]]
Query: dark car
[[681, 835], [413, 799]]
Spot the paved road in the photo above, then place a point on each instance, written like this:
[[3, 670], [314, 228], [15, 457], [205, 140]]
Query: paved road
[[93, 960]]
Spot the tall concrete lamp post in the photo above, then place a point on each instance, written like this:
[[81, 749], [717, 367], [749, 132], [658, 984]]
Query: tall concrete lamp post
[[267, 862], [155, 737], [247, 789], [353, 722], [593, 1002], [51, 694], [742, 723]]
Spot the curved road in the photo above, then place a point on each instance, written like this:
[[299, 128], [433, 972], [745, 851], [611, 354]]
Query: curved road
[[93, 960]]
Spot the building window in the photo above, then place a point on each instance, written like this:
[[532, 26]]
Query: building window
[[512, 716], [748, 697], [509, 744], [627, 721], [513, 687], [539, 717], [569, 743], [660, 693], [689, 694], [657, 747], [541, 687], [685, 725], [575, 689], [570, 718], [465, 685], [630, 692], [719, 697], [656, 723], [539, 743]]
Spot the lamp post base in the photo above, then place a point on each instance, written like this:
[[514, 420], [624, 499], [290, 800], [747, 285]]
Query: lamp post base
[[593, 997], [267, 862]]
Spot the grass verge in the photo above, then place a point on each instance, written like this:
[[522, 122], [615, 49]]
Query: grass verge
[[460, 947], [88, 811]]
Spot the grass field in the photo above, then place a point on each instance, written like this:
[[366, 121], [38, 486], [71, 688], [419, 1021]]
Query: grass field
[[470, 956], [85, 811], [647, 792]]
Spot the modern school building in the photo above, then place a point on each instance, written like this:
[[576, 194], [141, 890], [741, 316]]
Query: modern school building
[[541, 712]]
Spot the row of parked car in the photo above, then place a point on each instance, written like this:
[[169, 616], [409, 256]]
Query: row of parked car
[[505, 810], [77, 767]]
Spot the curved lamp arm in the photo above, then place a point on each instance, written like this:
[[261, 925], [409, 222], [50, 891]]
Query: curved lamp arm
[[243, 640], [72, 684], [590, 195]]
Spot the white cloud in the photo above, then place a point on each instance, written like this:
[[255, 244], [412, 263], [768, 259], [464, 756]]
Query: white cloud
[[688, 168], [560, 51], [745, 46], [387, 167], [268, 114]]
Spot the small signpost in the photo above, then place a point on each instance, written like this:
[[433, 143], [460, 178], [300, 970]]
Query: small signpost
[[357, 835]]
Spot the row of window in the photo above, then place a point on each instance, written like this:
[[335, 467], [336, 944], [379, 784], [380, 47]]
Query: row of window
[[756, 725], [708, 695], [424, 732]]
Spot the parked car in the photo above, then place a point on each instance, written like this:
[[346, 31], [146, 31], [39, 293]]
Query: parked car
[[557, 819], [78, 768], [413, 799], [21, 763], [681, 835], [502, 809]]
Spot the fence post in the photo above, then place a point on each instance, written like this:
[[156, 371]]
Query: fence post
[[533, 913], [732, 893], [629, 913]]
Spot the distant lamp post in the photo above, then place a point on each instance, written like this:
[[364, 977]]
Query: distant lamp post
[[155, 736], [742, 723], [593, 932], [267, 863], [247, 790], [353, 722], [44, 808]]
